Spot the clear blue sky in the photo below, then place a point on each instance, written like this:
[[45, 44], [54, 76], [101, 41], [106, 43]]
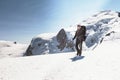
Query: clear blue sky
[[21, 20]]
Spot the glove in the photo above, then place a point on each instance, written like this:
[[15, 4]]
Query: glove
[[72, 38]]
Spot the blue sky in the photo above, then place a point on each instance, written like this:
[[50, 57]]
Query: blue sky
[[21, 20]]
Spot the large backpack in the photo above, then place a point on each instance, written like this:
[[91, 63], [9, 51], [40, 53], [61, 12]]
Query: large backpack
[[84, 28]]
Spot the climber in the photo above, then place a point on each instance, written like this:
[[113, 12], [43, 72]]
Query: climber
[[80, 37]]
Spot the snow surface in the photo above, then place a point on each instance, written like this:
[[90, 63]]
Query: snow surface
[[103, 63], [10, 49], [99, 25], [46, 36]]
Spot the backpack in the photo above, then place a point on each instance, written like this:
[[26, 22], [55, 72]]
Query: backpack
[[84, 28]]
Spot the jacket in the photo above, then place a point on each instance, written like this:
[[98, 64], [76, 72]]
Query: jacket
[[80, 34]]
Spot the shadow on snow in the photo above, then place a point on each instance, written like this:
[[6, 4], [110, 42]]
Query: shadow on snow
[[76, 58]]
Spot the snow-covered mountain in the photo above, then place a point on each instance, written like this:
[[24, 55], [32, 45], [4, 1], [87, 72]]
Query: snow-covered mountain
[[11, 49], [104, 25], [50, 43]]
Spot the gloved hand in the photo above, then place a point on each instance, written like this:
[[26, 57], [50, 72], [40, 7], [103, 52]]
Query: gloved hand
[[72, 38]]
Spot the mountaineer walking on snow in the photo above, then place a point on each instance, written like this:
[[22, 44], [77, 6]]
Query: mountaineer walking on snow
[[80, 37]]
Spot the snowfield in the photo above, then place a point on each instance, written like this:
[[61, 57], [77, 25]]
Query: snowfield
[[103, 63], [11, 49]]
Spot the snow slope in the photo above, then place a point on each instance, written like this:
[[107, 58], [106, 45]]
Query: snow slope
[[103, 63], [11, 49]]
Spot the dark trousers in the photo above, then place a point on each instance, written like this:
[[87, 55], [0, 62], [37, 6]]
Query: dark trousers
[[79, 46]]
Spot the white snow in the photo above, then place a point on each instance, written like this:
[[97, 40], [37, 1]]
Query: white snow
[[46, 36], [103, 63], [10, 49]]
